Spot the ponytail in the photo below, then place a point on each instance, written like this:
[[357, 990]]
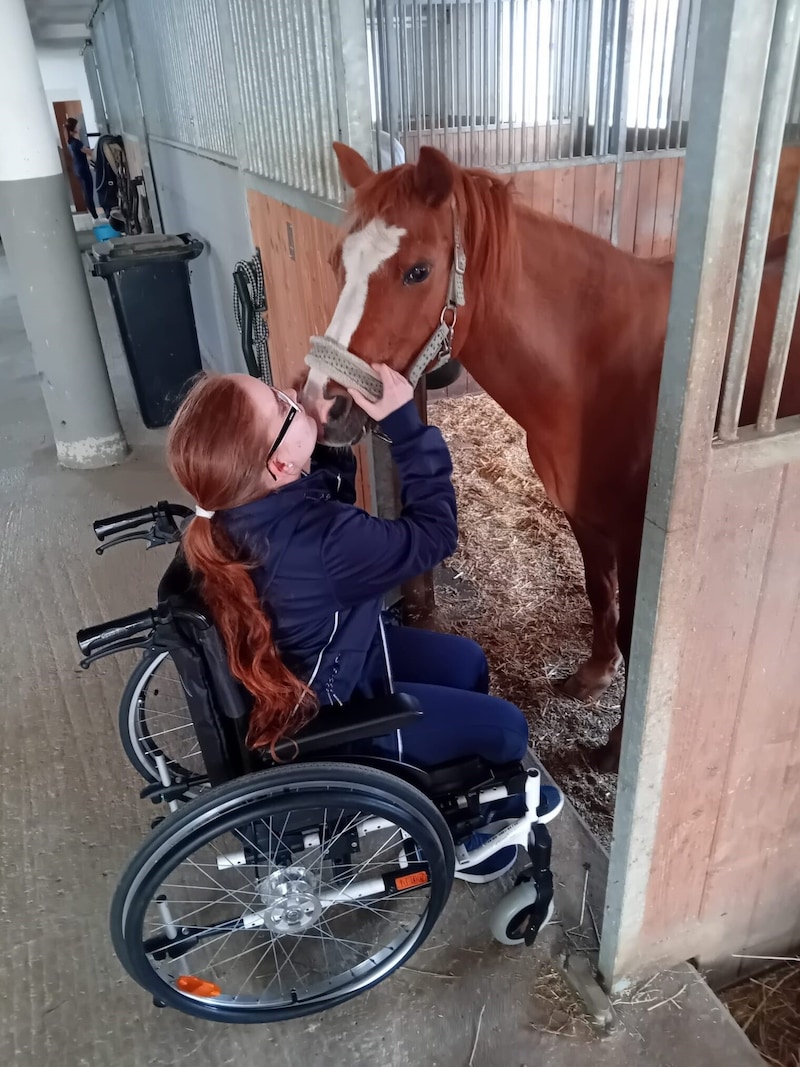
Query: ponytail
[[281, 702], [214, 451]]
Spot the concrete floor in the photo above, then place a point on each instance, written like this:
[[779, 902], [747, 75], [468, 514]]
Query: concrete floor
[[71, 818]]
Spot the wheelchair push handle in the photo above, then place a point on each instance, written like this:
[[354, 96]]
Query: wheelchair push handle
[[160, 519], [106, 637]]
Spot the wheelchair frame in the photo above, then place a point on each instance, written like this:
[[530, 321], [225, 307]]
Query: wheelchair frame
[[219, 707]]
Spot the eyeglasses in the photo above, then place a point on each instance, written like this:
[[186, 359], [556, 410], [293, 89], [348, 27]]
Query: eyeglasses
[[291, 407]]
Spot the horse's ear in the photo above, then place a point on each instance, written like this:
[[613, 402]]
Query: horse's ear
[[433, 176], [353, 166]]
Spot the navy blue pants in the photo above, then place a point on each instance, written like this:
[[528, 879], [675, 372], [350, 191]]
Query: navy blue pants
[[450, 678]]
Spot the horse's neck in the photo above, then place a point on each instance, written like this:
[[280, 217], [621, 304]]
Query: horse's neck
[[577, 303]]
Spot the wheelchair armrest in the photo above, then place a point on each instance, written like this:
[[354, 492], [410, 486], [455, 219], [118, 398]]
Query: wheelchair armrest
[[359, 721]]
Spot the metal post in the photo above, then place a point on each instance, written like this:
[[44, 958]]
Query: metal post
[[619, 134], [42, 249], [734, 38]]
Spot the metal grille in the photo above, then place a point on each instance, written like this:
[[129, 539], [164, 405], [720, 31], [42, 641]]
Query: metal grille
[[779, 98], [285, 53], [106, 71], [181, 74], [515, 82]]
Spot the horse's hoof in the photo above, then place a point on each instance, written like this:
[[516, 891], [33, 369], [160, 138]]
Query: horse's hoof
[[604, 760], [582, 688]]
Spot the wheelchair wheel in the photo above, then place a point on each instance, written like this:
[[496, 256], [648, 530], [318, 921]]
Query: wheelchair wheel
[[283, 893], [154, 719]]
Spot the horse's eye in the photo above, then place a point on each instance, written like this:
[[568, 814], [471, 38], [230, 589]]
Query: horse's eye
[[416, 274]]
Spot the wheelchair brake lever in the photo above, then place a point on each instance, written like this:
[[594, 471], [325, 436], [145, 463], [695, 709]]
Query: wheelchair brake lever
[[139, 535], [114, 648]]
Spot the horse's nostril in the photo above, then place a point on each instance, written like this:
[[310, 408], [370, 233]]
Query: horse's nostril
[[339, 408]]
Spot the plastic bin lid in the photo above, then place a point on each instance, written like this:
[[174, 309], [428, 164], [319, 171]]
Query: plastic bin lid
[[145, 244], [142, 250]]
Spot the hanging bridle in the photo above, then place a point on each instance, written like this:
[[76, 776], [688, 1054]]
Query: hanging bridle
[[344, 367]]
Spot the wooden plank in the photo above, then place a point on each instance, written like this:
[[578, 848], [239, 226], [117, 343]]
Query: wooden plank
[[564, 193], [524, 182], [629, 199], [603, 200], [583, 213], [734, 542], [665, 206], [678, 200], [544, 191], [646, 208]]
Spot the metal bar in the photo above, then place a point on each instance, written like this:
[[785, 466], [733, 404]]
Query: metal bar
[[605, 76], [576, 23], [784, 326], [377, 79], [626, 9], [650, 76], [511, 134], [498, 38], [485, 82], [550, 65], [471, 95], [455, 36], [587, 67], [406, 72], [441, 119], [661, 73], [562, 62], [775, 104], [419, 67], [537, 155], [523, 155], [447, 35]]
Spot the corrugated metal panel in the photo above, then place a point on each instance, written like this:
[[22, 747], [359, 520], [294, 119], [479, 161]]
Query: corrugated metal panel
[[106, 73], [287, 83], [181, 75], [118, 49]]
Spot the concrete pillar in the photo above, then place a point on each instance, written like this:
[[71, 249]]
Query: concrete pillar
[[40, 241]]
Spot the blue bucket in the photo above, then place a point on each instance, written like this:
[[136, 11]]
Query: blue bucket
[[103, 231]]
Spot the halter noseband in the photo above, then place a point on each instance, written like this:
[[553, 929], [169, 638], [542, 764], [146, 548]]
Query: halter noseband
[[344, 367]]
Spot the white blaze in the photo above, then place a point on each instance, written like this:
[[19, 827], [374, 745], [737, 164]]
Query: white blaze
[[363, 253]]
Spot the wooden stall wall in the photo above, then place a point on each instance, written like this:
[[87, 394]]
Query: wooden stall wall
[[726, 871], [301, 289]]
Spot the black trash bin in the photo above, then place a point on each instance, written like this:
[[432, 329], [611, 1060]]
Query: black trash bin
[[148, 277]]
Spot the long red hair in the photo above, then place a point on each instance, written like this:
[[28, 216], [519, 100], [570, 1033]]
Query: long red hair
[[216, 449]]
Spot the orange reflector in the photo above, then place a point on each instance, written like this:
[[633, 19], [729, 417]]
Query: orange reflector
[[408, 881], [198, 987]]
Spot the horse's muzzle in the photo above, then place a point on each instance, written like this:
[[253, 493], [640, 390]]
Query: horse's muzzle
[[346, 423]]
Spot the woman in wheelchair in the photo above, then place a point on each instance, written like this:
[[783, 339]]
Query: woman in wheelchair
[[295, 576]]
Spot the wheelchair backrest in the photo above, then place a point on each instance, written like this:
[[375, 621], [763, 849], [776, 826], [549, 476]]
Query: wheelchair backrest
[[219, 705]]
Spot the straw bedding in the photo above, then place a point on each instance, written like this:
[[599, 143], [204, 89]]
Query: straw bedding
[[516, 586]]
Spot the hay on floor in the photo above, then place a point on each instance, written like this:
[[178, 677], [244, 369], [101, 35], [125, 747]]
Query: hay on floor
[[516, 586], [767, 1008]]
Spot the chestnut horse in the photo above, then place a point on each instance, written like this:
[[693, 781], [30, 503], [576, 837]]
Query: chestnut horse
[[565, 331]]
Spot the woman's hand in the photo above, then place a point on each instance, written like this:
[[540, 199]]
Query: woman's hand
[[397, 391]]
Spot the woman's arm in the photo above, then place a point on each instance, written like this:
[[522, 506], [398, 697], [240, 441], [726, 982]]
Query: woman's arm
[[365, 556]]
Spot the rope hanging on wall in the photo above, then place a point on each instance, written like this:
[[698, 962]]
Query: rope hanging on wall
[[249, 306]]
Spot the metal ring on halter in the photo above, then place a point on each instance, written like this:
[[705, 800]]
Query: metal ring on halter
[[442, 318]]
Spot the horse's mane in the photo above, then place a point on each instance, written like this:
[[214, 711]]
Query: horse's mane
[[485, 203]]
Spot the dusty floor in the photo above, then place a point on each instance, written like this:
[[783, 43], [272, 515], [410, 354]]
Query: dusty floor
[[516, 586], [71, 818]]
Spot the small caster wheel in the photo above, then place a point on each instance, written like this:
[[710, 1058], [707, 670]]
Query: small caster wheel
[[509, 920], [158, 1003], [157, 821]]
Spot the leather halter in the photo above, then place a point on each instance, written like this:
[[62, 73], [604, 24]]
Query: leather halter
[[344, 367]]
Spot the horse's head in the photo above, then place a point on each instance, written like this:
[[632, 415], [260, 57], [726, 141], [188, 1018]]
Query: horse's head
[[395, 270]]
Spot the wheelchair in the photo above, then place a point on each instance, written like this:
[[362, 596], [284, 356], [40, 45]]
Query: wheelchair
[[279, 887]]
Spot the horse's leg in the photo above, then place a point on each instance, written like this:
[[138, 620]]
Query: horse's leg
[[607, 757], [595, 675]]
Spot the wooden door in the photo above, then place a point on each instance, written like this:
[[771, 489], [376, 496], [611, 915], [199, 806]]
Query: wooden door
[[65, 109]]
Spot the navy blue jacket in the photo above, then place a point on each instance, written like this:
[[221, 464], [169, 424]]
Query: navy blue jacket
[[324, 565]]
